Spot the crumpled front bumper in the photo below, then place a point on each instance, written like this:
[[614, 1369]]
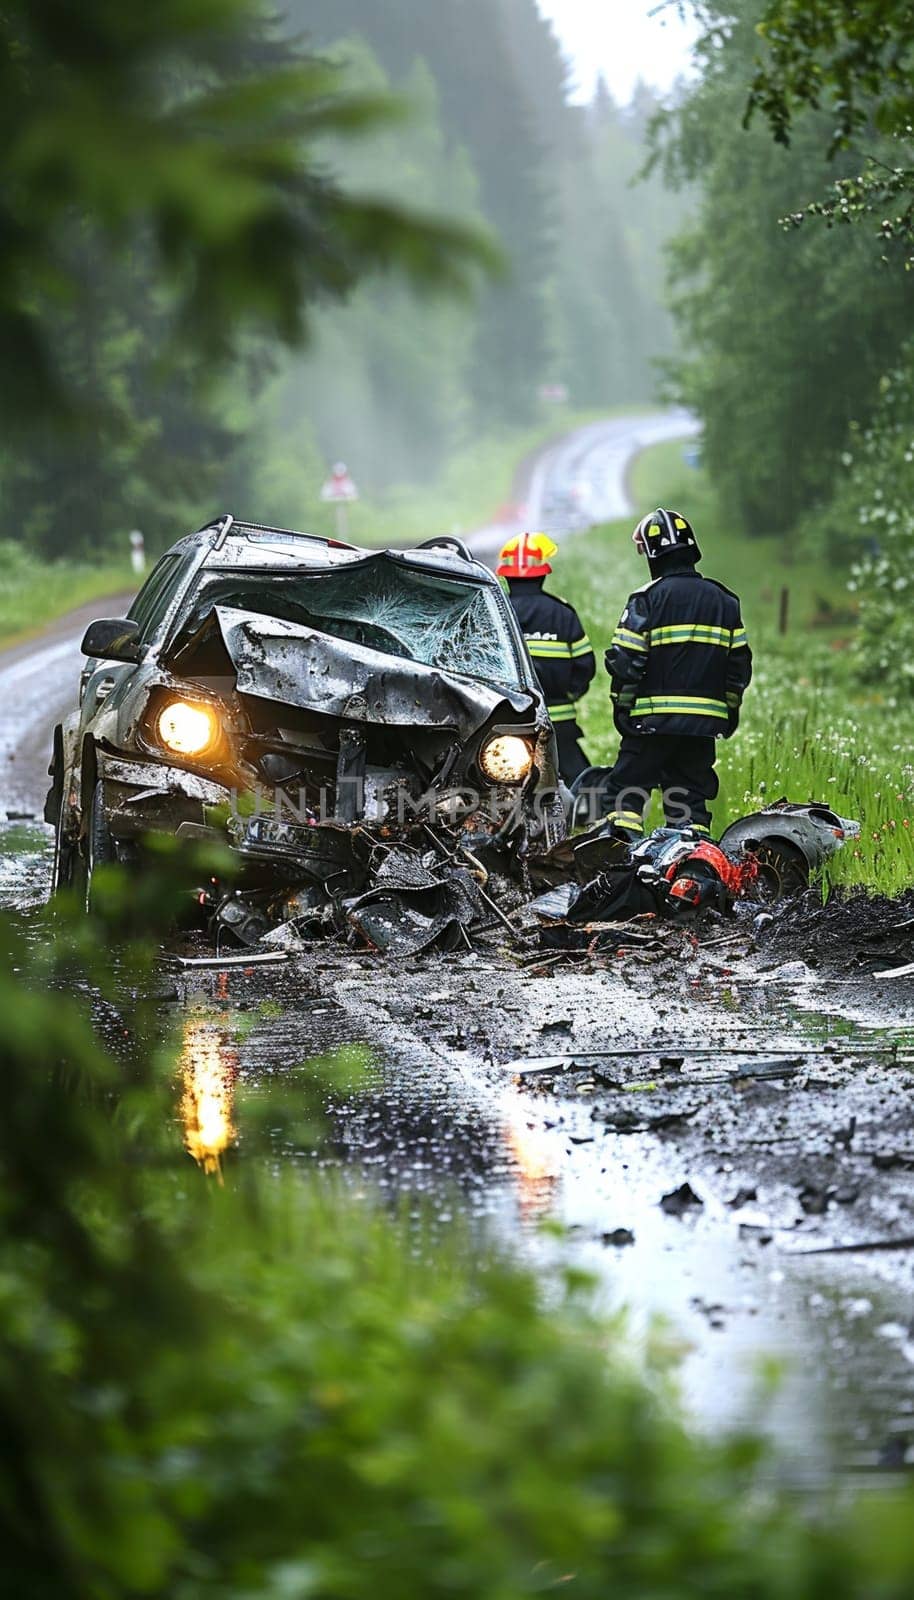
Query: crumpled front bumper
[[150, 796]]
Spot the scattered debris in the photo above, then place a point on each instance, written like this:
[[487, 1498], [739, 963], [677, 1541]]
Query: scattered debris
[[852, 934], [889, 1160], [789, 972], [681, 1200], [759, 1232], [618, 1237], [906, 1242], [675, 874], [247, 959], [815, 1200], [405, 886]]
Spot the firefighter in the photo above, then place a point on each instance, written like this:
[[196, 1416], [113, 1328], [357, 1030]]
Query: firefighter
[[562, 654], [679, 665]]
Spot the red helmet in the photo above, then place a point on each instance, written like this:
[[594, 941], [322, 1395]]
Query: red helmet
[[526, 556]]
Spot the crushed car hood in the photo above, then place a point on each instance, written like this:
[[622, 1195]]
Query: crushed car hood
[[283, 661]]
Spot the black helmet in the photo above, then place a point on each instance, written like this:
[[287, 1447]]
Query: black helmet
[[666, 533]]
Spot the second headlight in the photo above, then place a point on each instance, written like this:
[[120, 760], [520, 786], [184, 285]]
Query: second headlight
[[507, 758]]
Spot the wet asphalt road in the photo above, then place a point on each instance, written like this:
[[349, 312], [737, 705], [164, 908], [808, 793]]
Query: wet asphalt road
[[472, 1108]]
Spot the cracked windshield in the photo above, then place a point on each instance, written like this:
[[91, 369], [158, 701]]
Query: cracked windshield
[[456, 799]]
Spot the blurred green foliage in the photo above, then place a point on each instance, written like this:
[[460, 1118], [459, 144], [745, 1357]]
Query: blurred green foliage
[[856, 61], [786, 335], [205, 209], [188, 128], [34, 591], [168, 210], [267, 1387], [796, 343]]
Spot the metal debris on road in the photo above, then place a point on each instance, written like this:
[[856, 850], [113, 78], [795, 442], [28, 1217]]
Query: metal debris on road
[[681, 1200]]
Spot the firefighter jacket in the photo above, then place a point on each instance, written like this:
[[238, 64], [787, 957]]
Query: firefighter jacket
[[561, 652], [680, 660]]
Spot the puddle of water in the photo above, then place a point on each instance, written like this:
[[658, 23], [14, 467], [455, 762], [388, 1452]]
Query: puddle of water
[[854, 1025], [436, 1135], [26, 853]]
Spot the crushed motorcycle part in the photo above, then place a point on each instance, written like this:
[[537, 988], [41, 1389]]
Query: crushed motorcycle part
[[783, 828]]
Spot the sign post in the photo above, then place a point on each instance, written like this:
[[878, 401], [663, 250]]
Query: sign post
[[340, 491]]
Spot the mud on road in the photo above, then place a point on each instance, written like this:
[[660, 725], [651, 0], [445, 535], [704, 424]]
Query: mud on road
[[700, 1126]]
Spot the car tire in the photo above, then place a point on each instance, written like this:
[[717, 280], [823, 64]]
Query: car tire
[[99, 845], [65, 870], [783, 870]]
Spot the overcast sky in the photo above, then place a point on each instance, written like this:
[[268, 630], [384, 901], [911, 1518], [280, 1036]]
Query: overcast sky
[[622, 40]]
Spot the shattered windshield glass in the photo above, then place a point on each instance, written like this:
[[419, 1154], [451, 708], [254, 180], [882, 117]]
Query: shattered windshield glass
[[417, 616]]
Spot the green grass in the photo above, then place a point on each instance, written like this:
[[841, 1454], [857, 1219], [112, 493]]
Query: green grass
[[808, 730], [34, 591]]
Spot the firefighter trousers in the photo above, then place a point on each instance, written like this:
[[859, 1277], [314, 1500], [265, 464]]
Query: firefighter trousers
[[682, 768], [572, 760]]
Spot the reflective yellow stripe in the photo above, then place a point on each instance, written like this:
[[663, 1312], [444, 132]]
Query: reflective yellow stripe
[[566, 711], [583, 647], [627, 640], [684, 705], [555, 649], [691, 633], [740, 639]]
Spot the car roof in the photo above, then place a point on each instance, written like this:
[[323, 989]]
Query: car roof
[[250, 545]]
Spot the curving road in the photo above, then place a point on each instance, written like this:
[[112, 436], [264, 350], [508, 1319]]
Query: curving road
[[596, 460]]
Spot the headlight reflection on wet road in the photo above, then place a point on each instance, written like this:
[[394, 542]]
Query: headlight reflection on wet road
[[533, 1164], [209, 1068]]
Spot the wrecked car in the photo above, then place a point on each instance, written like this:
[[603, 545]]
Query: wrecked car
[[315, 707]]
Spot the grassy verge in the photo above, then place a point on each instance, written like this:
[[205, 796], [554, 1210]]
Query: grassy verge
[[808, 730], [34, 591]]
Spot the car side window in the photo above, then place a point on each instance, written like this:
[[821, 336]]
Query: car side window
[[154, 598]]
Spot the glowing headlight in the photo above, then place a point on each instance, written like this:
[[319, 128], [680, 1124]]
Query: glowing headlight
[[187, 729], [506, 758]]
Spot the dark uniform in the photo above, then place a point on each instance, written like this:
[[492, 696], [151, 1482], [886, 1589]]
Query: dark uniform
[[563, 659], [679, 664]]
